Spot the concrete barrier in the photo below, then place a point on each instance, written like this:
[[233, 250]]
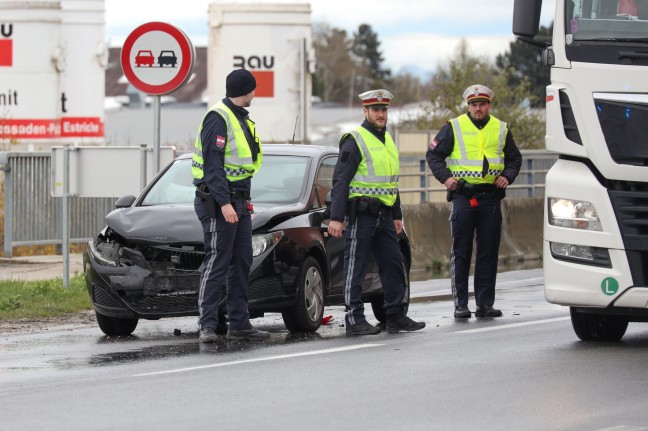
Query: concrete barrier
[[429, 230]]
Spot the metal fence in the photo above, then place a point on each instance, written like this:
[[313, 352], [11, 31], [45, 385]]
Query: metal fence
[[33, 217], [418, 185]]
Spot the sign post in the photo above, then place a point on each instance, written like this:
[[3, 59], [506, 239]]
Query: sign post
[[157, 58]]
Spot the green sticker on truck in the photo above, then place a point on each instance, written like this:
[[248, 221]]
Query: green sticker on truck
[[609, 286]]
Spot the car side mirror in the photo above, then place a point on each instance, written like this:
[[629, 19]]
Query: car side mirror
[[125, 201]]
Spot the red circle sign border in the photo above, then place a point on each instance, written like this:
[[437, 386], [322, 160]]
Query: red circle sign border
[[184, 70]]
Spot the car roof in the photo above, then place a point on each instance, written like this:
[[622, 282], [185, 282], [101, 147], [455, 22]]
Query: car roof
[[288, 149]]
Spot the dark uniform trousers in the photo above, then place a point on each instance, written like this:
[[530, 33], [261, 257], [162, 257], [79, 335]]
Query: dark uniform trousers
[[483, 223], [228, 257], [372, 234]]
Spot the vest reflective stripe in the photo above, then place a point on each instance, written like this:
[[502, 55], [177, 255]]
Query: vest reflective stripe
[[239, 163], [377, 174], [472, 145]]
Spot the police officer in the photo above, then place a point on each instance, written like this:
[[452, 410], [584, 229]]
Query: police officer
[[476, 158], [365, 193], [227, 153]]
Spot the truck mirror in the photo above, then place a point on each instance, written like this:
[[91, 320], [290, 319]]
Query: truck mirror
[[526, 17]]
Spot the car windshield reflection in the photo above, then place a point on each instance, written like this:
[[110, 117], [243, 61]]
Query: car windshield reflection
[[280, 180]]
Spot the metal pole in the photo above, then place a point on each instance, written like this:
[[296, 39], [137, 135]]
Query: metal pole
[[143, 176], [305, 96], [8, 206], [65, 233], [156, 134]]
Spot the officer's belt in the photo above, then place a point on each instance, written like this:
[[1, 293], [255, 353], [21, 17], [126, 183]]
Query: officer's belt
[[240, 194], [473, 189], [367, 205]]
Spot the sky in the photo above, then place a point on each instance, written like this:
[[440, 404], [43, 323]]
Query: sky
[[415, 35]]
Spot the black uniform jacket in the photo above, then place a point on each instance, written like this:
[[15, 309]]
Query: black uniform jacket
[[214, 136], [443, 144], [345, 170]]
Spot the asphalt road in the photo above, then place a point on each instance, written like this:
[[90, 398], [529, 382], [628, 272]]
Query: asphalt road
[[526, 370]]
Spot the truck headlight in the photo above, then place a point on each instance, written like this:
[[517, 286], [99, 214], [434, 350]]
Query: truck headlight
[[573, 214], [261, 243]]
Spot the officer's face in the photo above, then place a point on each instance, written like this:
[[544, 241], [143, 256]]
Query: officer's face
[[377, 117], [479, 109], [247, 99]]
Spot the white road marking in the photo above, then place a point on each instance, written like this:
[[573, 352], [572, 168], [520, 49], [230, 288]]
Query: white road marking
[[267, 358], [513, 325]]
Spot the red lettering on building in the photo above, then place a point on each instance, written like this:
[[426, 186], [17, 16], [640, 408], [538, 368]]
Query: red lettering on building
[[72, 127]]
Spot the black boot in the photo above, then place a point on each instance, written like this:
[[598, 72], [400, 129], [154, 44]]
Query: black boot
[[400, 322]]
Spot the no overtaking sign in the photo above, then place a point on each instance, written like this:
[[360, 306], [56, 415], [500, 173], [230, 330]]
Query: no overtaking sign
[[157, 58]]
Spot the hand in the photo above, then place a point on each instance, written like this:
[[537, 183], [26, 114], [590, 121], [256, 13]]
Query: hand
[[398, 224], [451, 183], [335, 228], [229, 213], [501, 182]]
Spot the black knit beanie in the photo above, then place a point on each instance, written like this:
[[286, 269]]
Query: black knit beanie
[[239, 83]]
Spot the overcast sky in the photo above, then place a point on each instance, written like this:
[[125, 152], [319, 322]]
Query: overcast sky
[[413, 33]]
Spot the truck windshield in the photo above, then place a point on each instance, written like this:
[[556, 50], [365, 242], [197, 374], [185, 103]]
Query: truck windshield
[[606, 20]]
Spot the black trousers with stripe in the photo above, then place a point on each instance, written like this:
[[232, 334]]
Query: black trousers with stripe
[[483, 223], [372, 235], [228, 257]]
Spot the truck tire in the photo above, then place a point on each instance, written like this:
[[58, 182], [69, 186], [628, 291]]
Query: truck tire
[[598, 327]]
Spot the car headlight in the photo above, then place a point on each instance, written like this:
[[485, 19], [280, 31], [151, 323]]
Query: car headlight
[[261, 243], [573, 214], [103, 255]]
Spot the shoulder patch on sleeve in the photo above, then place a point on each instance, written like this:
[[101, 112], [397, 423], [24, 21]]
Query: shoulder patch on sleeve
[[433, 144], [220, 141]]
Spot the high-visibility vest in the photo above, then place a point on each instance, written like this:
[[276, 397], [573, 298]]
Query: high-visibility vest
[[377, 174], [472, 145], [238, 156]]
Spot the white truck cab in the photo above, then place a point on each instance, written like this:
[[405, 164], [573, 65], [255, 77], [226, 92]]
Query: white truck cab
[[595, 247]]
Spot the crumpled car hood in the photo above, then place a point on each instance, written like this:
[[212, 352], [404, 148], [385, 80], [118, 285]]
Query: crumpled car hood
[[176, 223]]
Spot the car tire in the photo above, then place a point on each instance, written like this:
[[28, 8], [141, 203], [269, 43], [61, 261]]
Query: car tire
[[378, 301], [306, 314], [115, 326], [598, 327]]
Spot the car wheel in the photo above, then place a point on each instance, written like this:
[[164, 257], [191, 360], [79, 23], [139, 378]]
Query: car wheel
[[306, 314], [115, 326], [598, 327], [378, 301]]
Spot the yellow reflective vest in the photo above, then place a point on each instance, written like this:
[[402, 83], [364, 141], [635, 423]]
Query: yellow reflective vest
[[238, 156], [472, 145], [377, 174]]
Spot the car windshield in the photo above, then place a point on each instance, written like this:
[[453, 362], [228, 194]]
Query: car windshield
[[281, 180], [610, 20]]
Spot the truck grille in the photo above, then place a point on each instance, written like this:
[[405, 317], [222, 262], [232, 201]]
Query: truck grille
[[624, 127], [631, 209]]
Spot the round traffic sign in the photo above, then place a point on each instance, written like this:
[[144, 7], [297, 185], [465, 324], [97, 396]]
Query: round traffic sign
[[157, 58]]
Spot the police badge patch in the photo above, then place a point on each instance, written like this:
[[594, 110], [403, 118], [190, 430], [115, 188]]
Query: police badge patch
[[220, 141]]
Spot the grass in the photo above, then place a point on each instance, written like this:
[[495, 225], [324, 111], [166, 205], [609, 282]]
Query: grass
[[42, 298]]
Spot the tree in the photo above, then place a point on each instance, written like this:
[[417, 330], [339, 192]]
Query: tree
[[449, 83], [526, 62], [336, 68], [366, 47]]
